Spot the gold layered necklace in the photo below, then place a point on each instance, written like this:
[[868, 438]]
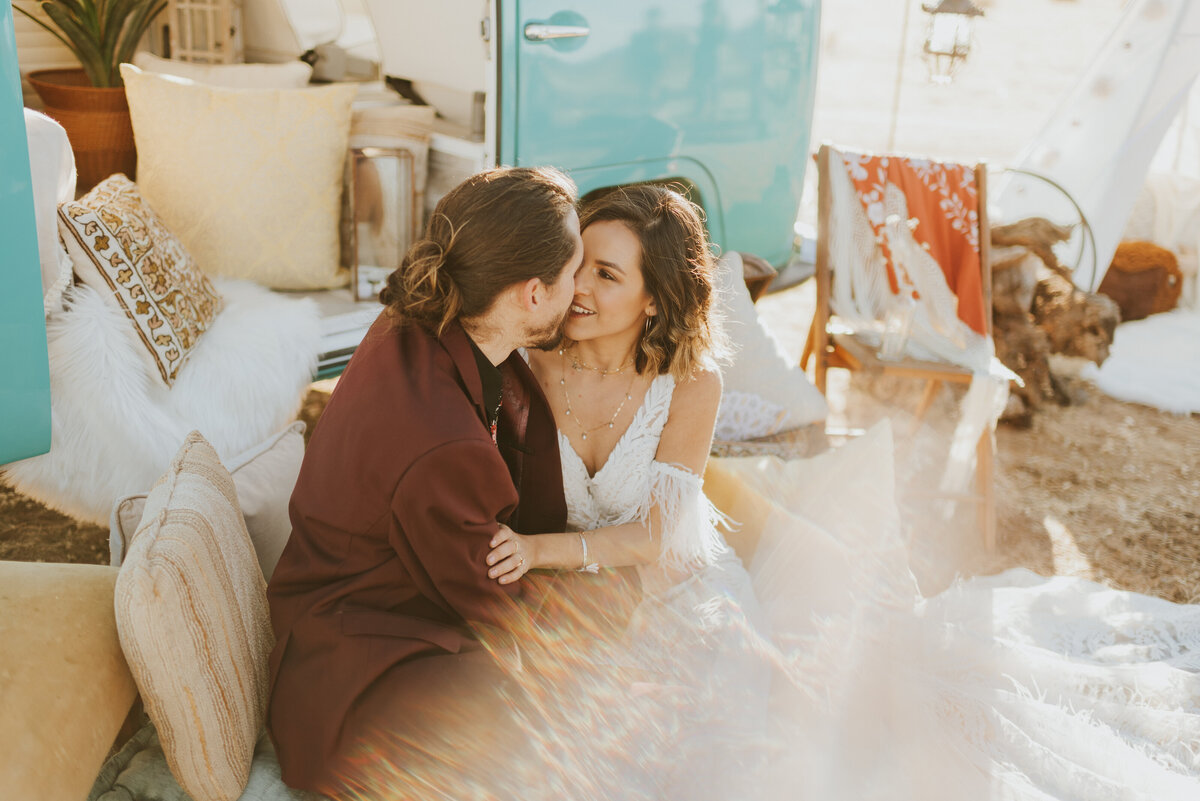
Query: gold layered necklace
[[578, 364], [583, 430]]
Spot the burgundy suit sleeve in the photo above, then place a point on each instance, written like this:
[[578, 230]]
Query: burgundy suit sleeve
[[445, 511]]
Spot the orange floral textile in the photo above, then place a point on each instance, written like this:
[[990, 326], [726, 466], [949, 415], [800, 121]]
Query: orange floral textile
[[944, 198]]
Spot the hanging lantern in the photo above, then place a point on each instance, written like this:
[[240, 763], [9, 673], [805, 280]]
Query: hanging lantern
[[948, 37]]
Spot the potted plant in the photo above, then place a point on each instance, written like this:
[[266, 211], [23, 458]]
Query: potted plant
[[89, 101]]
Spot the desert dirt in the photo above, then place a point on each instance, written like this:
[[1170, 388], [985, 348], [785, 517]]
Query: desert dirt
[[1101, 489]]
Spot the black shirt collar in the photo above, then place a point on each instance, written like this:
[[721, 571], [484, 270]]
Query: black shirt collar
[[489, 374]]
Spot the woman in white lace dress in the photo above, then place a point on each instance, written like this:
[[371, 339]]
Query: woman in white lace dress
[[821, 672]]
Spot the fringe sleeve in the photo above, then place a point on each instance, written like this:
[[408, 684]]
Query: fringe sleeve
[[689, 520]]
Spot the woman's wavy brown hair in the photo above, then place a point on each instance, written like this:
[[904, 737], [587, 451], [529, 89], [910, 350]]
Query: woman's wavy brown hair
[[678, 268], [495, 229]]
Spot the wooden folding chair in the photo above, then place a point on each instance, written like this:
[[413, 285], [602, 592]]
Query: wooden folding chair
[[833, 345]]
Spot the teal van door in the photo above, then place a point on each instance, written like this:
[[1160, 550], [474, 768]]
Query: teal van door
[[717, 92], [24, 367]]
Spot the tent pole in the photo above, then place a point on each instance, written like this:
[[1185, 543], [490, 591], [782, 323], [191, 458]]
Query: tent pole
[[891, 140]]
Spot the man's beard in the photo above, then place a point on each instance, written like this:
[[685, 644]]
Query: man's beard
[[549, 337]]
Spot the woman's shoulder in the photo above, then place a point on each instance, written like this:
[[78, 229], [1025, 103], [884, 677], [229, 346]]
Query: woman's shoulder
[[702, 384], [687, 433], [699, 393]]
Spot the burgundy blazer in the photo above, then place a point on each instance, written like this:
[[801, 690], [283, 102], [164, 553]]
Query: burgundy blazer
[[397, 501]]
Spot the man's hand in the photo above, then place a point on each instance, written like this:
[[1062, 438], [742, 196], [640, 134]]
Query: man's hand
[[512, 555]]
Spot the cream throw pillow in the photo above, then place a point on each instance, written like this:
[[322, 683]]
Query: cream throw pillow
[[192, 616], [824, 531], [250, 180], [264, 478], [121, 248], [290, 75], [764, 393]]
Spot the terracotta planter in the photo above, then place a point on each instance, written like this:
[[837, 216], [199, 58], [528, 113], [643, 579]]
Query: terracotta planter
[[96, 121]]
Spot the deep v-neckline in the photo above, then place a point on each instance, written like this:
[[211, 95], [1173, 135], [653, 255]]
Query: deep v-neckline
[[570, 446]]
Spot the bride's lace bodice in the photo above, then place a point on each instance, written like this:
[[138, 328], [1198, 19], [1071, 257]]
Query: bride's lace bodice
[[631, 481], [622, 484]]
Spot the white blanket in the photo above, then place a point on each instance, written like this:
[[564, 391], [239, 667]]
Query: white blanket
[[115, 427], [1155, 361]]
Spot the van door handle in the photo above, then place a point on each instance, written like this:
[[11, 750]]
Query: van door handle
[[540, 32]]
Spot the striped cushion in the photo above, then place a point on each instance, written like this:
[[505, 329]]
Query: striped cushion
[[192, 616]]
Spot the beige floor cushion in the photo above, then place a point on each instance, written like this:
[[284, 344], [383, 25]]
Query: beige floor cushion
[[826, 514], [64, 686], [192, 616]]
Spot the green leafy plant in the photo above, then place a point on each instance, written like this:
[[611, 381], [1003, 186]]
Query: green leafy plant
[[101, 33]]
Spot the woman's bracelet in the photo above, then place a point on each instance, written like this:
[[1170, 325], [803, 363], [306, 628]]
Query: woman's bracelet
[[584, 565]]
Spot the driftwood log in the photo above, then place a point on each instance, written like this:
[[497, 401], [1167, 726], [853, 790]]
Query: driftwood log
[[1038, 311], [1076, 323], [1036, 235]]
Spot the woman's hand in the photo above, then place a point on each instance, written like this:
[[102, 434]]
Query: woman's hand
[[511, 557]]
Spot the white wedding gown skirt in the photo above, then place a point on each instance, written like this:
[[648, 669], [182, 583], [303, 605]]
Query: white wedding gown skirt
[[820, 672], [1010, 686]]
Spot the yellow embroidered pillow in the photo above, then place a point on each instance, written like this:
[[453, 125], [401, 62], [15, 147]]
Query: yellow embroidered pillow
[[121, 248], [250, 180], [64, 683]]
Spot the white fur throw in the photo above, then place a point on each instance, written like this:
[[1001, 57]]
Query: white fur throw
[[115, 427]]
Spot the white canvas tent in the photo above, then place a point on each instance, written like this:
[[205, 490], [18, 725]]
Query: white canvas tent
[[1102, 141], [1125, 144]]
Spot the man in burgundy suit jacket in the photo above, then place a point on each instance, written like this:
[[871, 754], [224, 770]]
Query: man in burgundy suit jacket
[[378, 600]]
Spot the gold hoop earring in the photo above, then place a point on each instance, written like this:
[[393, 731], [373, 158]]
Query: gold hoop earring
[[643, 344]]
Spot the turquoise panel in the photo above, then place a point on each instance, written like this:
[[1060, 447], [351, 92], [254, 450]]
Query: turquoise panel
[[727, 85], [702, 188], [508, 51], [24, 367]]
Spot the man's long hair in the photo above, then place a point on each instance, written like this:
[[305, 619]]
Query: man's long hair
[[498, 228]]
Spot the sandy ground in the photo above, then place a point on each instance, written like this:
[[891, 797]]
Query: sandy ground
[[1101, 489]]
